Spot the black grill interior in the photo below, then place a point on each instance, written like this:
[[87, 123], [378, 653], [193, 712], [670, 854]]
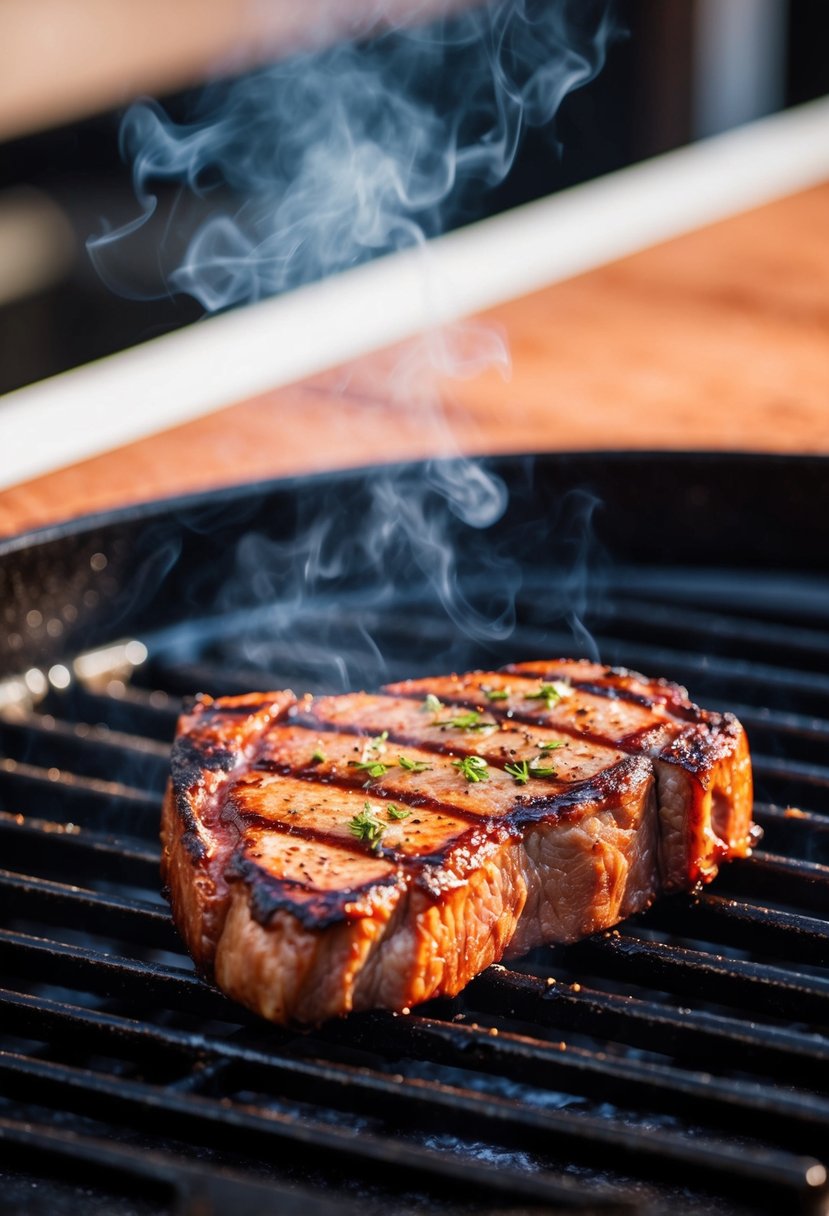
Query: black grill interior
[[679, 1063]]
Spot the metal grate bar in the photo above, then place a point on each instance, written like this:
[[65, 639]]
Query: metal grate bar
[[530, 1061], [749, 926], [44, 847], [260, 1129], [442, 1107], [84, 801], [152, 713], [716, 676], [778, 722], [89, 751], [201, 1188], [794, 831], [561, 1066], [713, 632], [786, 879], [796, 781], [24, 897], [784, 993], [141, 983], [686, 1033]]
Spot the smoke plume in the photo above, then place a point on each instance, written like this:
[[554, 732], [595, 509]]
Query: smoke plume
[[319, 162]]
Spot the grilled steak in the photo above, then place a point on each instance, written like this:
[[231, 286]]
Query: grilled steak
[[337, 853]]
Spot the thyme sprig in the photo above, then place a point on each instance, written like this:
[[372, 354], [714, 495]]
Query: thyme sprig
[[522, 770], [374, 768], [412, 766], [473, 768], [367, 827], [467, 721], [397, 812], [550, 694]]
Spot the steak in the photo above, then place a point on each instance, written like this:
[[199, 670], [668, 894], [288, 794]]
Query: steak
[[335, 853]]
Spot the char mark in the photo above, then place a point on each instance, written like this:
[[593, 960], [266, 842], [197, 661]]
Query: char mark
[[374, 788], [314, 909]]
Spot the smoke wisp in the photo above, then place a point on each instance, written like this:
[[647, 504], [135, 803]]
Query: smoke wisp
[[315, 164], [356, 150]]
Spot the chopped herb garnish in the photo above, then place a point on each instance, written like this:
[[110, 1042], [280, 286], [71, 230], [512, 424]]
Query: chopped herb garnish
[[551, 694], [468, 721], [552, 745], [474, 768], [541, 770], [431, 704], [497, 694], [521, 771], [366, 826], [374, 768], [412, 766], [377, 744], [318, 757], [397, 812]]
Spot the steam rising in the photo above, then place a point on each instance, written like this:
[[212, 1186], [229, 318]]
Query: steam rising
[[338, 156]]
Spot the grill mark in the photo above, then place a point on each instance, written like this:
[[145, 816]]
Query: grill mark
[[631, 743], [322, 908], [413, 798], [611, 692], [625, 744], [615, 692], [456, 747], [190, 754], [312, 835], [506, 718], [318, 910], [569, 796]]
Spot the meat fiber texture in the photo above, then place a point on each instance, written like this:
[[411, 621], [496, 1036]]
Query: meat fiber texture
[[328, 854]]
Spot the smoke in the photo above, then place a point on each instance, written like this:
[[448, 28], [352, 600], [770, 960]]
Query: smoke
[[324, 160], [346, 153]]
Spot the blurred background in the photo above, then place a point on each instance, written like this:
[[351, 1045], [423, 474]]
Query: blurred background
[[676, 71]]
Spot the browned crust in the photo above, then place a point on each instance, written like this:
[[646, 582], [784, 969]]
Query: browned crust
[[413, 946], [211, 740], [439, 870], [232, 910]]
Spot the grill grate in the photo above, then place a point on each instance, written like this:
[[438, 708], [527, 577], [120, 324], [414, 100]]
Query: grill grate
[[679, 1063]]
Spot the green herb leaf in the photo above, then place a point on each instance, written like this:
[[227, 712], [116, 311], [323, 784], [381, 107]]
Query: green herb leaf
[[431, 704], [366, 826], [474, 768], [468, 721], [551, 694], [552, 745], [374, 768], [377, 744], [397, 812], [520, 771], [497, 694], [412, 766], [318, 757]]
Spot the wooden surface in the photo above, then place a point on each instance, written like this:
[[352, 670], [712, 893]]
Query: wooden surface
[[716, 340]]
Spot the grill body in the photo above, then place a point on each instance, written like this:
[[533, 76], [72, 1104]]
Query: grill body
[[679, 1063]]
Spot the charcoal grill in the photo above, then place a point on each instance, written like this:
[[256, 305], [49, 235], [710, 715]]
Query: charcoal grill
[[678, 1063]]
